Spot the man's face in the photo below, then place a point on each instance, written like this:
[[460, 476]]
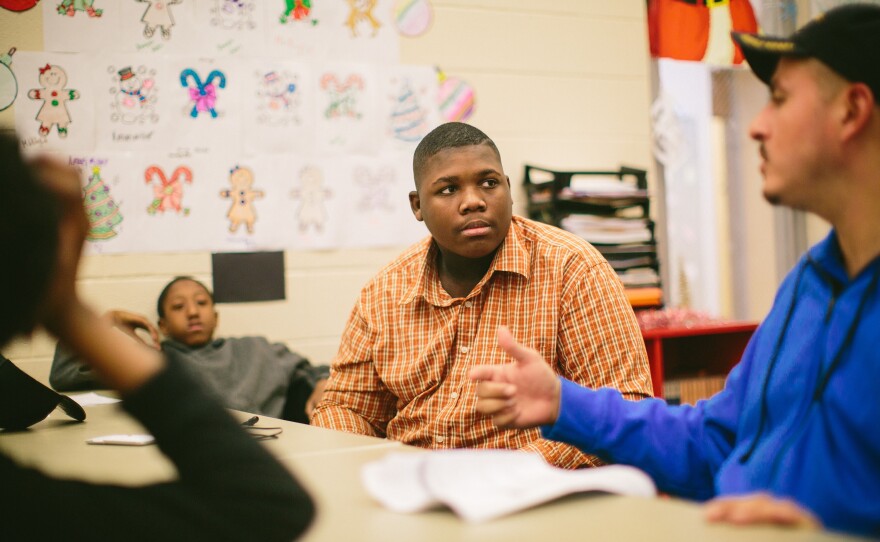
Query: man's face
[[190, 317], [463, 196], [794, 130]]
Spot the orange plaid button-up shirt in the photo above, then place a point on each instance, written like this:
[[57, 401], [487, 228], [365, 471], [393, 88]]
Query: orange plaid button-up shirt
[[402, 368]]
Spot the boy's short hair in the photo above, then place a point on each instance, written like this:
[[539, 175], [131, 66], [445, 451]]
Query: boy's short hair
[[447, 136], [163, 295], [29, 217]]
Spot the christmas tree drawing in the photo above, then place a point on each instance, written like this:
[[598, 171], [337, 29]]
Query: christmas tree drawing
[[101, 209], [408, 117]]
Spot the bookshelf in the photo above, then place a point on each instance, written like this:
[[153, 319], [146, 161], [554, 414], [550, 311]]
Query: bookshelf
[[611, 210], [697, 358]]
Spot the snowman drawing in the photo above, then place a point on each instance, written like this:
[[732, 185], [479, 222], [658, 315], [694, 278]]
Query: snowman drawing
[[53, 111], [134, 99], [278, 99], [236, 14]]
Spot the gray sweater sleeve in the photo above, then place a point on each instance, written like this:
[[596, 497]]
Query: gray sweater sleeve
[[68, 373], [302, 369]]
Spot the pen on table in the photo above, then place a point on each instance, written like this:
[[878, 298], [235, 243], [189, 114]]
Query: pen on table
[[250, 421]]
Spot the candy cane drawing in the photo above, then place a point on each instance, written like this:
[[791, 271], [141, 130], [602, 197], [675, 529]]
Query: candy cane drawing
[[203, 95], [342, 96], [167, 193]]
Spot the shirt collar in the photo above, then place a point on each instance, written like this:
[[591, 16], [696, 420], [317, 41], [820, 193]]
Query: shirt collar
[[512, 257]]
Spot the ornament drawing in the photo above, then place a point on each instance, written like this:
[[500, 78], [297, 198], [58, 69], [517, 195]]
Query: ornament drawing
[[242, 196], [53, 111], [168, 193], [8, 82]]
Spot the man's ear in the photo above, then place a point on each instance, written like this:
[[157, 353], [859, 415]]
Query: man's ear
[[860, 104], [416, 205]]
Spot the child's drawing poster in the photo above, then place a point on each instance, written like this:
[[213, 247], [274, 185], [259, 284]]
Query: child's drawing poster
[[163, 199], [298, 29], [408, 105], [253, 204], [314, 190], [131, 89], [279, 100], [230, 27], [103, 200], [159, 27], [204, 105], [368, 33], [348, 117], [230, 125], [376, 202], [79, 26], [55, 108]]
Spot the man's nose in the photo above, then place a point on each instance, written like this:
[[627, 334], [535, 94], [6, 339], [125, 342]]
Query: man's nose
[[758, 126], [472, 200]]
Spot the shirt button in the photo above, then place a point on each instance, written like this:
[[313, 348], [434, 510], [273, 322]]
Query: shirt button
[[468, 304], [454, 395], [464, 349], [440, 439]]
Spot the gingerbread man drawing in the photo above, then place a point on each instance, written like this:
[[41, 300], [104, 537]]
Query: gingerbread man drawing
[[311, 194], [158, 16], [242, 196], [54, 96]]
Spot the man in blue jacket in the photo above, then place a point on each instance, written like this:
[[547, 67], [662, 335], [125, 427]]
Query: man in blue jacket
[[794, 437]]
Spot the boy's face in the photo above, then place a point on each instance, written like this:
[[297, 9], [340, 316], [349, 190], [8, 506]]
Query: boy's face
[[463, 196], [190, 317]]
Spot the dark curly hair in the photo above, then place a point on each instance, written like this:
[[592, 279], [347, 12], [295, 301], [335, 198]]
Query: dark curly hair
[[29, 217]]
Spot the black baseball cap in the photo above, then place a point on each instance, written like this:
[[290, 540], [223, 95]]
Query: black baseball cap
[[24, 401], [846, 39]]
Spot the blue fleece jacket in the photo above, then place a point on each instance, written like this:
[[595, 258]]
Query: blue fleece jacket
[[799, 416]]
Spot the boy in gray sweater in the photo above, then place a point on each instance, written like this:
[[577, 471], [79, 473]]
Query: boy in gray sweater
[[246, 373]]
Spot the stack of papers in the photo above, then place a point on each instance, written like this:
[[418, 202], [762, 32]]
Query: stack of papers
[[480, 485], [605, 230]]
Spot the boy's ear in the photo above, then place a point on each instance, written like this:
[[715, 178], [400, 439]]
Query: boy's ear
[[163, 327], [416, 205]]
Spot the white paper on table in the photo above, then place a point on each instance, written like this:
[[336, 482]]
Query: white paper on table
[[480, 485], [92, 399]]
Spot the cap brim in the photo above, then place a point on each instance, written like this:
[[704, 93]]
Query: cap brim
[[763, 52]]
